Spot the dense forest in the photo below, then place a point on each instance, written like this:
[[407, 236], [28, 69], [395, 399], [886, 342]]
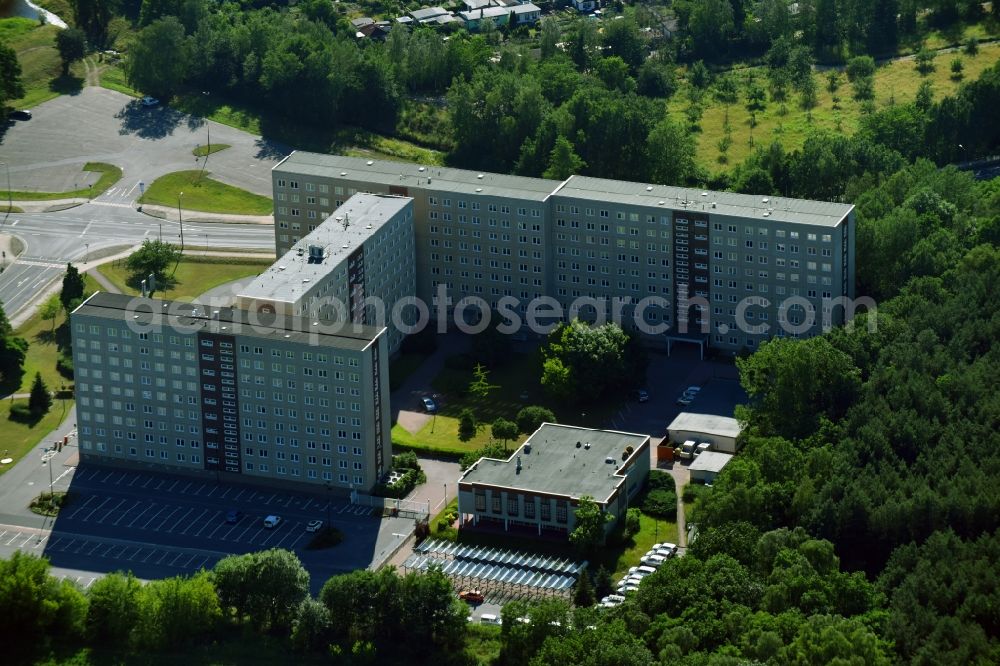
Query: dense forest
[[570, 95]]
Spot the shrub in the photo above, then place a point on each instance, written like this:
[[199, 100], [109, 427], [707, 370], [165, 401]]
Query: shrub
[[406, 460], [327, 537], [64, 365], [530, 418], [661, 503], [632, 524]]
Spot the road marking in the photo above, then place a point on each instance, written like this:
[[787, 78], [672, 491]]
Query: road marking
[[184, 492], [106, 500], [296, 542], [212, 491], [160, 484], [140, 514], [89, 500], [219, 527], [59, 478], [83, 544], [201, 565], [223, 495], [306, 505], [25, 542], [282, 540], [174, 561], [344, 508], [151, 553], [191, 523], [137, 551], [89, 583], [152, 519], [171, 488], [243, 533], [271, 499], [151, 479], [157, 528], [208, 522], [237, 495], [180, 520], [200, 488], [135, 477], [127, 511], [165, 553], [84, 232], [188, 563], [110, 474], [96, 546], [253, 539], [43, 540], [108, 514]]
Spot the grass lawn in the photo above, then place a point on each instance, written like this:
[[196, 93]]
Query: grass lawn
[[10, 209], [41, 68], [110, 174], [194, 275], [520, 375], [618, 558], [17, 439], [482, 644], [895, 82], [201, 151], [113, 78], [204, 194]]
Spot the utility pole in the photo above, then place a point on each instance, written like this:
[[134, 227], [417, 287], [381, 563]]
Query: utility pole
[[10, 203], [180, 219]]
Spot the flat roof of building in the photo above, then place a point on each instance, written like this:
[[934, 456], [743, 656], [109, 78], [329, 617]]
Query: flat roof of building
[[189, 318], [710, 424], [556, 466], [665, 197], [710, 461], [460, 181], [339, 235]]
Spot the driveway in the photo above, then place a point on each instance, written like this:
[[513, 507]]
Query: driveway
[[48, 152]]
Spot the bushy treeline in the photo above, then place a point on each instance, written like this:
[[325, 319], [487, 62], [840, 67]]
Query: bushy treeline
[[360, 616]]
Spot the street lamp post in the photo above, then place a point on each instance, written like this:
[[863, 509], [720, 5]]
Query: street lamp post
[[180, 219], [10, 203], [86, 257]]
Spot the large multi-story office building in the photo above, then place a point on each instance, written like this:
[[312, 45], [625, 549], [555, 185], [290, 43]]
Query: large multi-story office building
[[744, 267], [257, 396], [364, 250]]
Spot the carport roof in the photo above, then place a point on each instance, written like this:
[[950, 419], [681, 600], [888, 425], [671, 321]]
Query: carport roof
[[710, 424], [556, 466], [710, 461]]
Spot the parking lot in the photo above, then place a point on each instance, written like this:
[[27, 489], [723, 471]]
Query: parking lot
[[158, 525]]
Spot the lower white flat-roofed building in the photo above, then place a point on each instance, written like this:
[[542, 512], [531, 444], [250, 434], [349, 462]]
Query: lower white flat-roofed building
[[539, 487], [722, 432]]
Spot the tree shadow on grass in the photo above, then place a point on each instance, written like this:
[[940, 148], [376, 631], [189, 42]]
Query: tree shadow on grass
[[66, 84]]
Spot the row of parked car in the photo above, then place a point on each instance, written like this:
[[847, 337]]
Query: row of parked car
[[648, 564]]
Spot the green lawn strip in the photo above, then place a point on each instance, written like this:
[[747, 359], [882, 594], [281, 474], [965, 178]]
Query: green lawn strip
[[449, 533], [17, 439], [110, 174], [521, 374], [113, 78], [194, 275], [10, 209], [482, 644], [618, 558], [201, 151], [41, 67], [201, 193]]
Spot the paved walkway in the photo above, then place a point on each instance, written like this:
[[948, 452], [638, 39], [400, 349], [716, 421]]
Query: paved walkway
[[105, 283], [417, 385]]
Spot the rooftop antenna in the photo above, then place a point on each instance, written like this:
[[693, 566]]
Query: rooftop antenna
[[347, 221]]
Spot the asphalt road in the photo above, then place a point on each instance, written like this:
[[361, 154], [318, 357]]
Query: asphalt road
[[81, 233]]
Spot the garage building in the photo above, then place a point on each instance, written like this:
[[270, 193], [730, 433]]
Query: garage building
[[721, 431], [707, 466]]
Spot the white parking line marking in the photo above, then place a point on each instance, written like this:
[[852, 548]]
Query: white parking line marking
[[291, 532], [253, 539], [81, 508], [110, 474], [2, 533], [165, 553], [270, 499], [201, 565], [24, 543], [184, 492], [171, 488], [106, 500], [180, 520], [96, 546], [192, 523], [237, 495], [219, 527], [188, 563], [43, 540], [137, 551], [83, 544], [174, 561], [140, 515], [160, 484], [145, 485], [127, 511], [152, 519], [228, 490], [210, 521], [14, 538], [243, 533], [135, 477], [306, 505], [108, 514], [344, 508], [212, 491], [151, 553], [165, 519], [89, 583]]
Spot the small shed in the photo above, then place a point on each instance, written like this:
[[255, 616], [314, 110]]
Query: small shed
[[721, 431], [707, 466]]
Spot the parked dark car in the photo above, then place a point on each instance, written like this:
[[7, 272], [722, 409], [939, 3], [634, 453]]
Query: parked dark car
[[21, 114], [234, 516]]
